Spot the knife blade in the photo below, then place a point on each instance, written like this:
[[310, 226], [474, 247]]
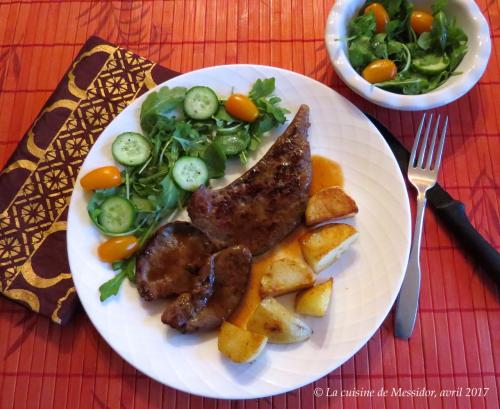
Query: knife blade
[[450, 212]]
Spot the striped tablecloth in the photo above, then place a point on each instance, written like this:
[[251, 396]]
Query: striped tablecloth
[[456, 344]]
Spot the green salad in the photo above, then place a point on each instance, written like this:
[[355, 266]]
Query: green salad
[[402, 49], [187, 136]]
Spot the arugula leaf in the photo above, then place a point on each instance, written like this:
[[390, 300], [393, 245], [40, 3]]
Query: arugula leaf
[[159, 104], [215, 159], [437, 80], [129, 268], [425, 41], [408, 86], [112, 286], [438, 6], [271, 107], [379, 45], [440, 29], [391, 6], [363, 25], [361, 53], [190, 140], [170, 195], [456, 56], [400, 54], [263, 124], [456, 36], [222, 116], [262, 88]]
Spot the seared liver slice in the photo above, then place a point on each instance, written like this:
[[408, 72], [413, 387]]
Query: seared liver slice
[[171, 261], [191, 312], [266, 203]]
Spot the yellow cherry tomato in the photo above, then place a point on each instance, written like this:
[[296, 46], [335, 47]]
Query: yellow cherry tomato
[[118, 248], [381, 16], [380, 71], [421, 21], [241, 107], [102, 178]]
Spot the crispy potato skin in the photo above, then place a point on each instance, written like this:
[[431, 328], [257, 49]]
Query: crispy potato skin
[[279, 324], [285, 276], [240, 345], [314, 301], [322, 246], [329, 204]]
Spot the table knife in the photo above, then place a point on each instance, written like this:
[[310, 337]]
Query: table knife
[[450, 212]]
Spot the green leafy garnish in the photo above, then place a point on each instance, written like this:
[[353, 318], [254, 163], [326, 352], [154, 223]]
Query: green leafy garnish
[[160, 104], [215, 160], [424, 61], [262, 88]]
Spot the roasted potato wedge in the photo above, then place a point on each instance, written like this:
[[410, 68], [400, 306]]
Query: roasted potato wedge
[[314, 301], [285, 276], [329, 204], [322, 246], [279, 324], [238, 344]]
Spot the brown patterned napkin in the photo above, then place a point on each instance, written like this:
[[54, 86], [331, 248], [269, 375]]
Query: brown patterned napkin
[[36, 184]]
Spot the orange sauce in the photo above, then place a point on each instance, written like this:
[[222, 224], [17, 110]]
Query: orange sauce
[[288, 248], [325, 173]]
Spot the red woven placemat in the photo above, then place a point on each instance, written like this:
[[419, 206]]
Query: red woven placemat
[[457, 339]]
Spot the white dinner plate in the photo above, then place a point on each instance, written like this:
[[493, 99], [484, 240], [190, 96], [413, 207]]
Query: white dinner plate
[[367, 277]]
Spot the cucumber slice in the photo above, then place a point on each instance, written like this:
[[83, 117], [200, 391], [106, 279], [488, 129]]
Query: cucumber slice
[[117, 215], [131, 149], [201, 103], [190, 173], [431, 64]]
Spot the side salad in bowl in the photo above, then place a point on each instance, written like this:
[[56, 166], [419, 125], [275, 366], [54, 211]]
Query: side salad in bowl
[[187, 137], [403, 48], [427, 61]]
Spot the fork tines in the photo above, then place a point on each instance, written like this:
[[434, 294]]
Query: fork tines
[[423, 146]]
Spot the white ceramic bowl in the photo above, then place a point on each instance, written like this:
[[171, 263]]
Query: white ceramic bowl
[[469, 18]]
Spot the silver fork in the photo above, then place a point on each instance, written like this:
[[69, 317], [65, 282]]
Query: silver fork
[[423, 178]]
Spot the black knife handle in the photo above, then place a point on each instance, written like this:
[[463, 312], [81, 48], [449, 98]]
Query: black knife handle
[[456, 220]]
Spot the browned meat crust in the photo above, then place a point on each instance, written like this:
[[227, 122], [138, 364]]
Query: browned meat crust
[[191, 312], [261, 207], [171, 261]]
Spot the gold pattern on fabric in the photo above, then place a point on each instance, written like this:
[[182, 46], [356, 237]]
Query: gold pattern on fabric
[[40, 282], [33, 148], [36, 151], [45, 194], [149, 82], [61, 103], [25, 296], [20, 164], [55, 314], [72, 87]]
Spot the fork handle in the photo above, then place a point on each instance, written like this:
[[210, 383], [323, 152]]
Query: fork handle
[[456, 220], [407, 304]]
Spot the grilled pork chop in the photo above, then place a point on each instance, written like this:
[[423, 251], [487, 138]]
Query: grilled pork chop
[[171, 261], [193, 311], [266, 203]]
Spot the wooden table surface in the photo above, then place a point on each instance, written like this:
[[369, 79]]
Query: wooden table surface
[[457, 338]]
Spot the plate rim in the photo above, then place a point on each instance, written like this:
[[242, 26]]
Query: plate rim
[[181, 386]]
